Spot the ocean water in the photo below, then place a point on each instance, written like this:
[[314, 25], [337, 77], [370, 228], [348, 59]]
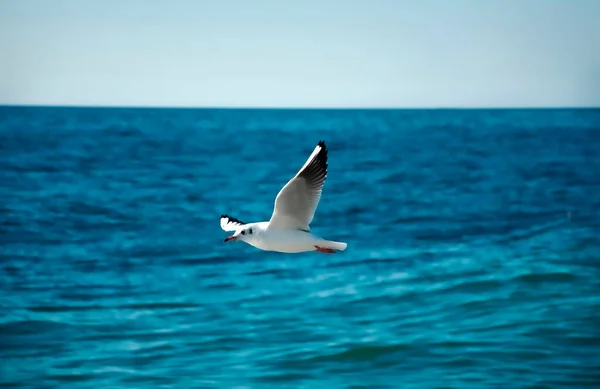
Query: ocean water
[[473, 255]]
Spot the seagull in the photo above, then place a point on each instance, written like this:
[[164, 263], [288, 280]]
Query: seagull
[[288, 231]]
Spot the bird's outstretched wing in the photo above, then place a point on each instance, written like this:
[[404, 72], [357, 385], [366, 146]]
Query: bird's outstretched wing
[[297, 201], [229, 223]]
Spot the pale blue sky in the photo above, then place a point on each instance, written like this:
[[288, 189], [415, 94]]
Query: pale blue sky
[[310, 53]]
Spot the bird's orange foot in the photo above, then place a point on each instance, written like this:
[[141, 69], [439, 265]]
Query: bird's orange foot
[[324, 250]]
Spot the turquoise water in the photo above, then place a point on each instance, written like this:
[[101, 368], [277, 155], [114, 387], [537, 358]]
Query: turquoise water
[[473, 257]]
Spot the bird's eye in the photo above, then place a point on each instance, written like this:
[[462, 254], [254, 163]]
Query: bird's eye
[[243, 232], [250, 231]]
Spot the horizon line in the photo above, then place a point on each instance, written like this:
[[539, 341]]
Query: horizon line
[[300, 108]]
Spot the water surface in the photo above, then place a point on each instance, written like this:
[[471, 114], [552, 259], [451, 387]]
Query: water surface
[[473, 258]]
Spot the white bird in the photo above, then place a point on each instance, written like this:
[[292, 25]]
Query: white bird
[[288, 231]]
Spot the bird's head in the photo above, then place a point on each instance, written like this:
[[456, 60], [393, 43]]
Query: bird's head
[[244, 234]]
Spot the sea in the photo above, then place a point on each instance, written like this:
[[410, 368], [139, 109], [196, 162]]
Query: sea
[[473, 256]]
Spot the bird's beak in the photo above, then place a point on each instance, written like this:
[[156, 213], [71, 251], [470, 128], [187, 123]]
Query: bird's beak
[[229, 238]]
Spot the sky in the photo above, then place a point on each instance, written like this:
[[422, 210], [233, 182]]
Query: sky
[[301, 53]]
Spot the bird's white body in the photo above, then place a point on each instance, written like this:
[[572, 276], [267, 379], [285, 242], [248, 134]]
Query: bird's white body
[[288, 230], [285, 241]]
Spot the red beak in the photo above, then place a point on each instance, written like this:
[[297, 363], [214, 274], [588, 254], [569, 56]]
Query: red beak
[[230, 238]]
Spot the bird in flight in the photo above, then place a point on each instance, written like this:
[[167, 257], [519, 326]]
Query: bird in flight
[[288, 231]]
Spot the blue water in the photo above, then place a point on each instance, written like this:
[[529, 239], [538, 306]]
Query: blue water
[[473, 257]]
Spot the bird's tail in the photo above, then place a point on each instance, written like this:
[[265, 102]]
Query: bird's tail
[[330, 244]]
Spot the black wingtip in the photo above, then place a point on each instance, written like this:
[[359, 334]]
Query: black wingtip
[[317, 169], [231, 219], [322, 156]]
